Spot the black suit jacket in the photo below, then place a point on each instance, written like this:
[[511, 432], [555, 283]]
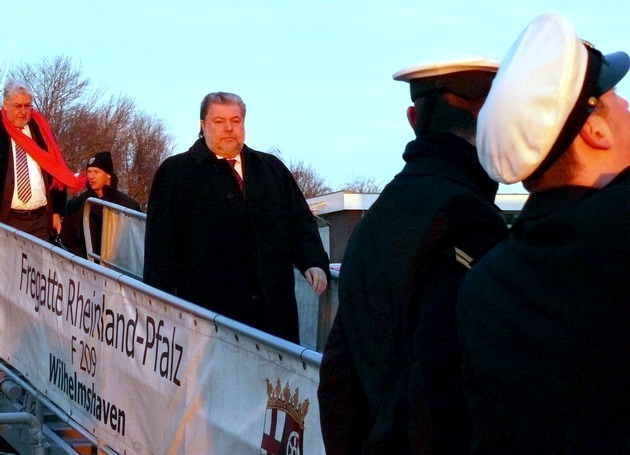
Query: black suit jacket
[[56, 198]]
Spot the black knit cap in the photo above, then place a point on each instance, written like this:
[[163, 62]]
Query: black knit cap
[[103, 161]]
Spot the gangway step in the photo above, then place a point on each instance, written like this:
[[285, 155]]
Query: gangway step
[[57, 428]]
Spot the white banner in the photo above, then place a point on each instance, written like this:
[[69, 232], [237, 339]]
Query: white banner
[[142, 375]]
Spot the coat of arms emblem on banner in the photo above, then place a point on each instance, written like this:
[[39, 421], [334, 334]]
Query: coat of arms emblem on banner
[[284, 421]]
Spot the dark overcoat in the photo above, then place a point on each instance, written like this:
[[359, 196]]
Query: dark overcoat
[[230, 251], [390, 374], [56, 198], [545, 326]]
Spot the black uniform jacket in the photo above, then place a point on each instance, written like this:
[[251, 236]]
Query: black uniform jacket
[[230, 252], [56, 198], [545, 326], [72, 228], [390, 374]]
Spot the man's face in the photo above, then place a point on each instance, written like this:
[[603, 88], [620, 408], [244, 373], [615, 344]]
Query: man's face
[[618, 118], [19, 108], [224, 129], [98, 178]]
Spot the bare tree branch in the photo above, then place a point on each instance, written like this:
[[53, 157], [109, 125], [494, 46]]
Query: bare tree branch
[[85, 123], [309, 181], [361, 185]]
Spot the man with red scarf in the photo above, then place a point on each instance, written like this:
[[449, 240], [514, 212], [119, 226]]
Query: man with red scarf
[[33, 194]]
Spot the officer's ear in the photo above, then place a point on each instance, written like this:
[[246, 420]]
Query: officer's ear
[[595, 132], [412, 117]]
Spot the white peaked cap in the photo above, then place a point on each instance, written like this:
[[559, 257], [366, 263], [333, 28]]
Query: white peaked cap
[[539, 87], [428, 69], [469, 77]]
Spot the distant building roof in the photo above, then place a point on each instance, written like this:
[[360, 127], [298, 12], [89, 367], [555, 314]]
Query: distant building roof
[[341, 200], [345, 200]]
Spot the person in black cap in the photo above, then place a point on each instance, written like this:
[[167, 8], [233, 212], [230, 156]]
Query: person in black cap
[[103, 184], [390, 373], [544, 317]]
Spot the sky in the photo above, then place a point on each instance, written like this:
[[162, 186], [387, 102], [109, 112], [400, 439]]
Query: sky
[[316, 75]]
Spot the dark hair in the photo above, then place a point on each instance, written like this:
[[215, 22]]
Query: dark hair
[[560, 172], [437, 113]]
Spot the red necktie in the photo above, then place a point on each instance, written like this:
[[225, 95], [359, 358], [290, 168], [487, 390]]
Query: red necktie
[[239, 179]]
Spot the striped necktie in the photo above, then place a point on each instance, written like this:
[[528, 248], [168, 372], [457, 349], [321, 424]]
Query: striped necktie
[[239, 179], [22, 177]]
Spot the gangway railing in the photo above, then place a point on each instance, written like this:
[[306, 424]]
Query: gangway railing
[[142, 371], [134, 370], [122, 237], [122, 250]]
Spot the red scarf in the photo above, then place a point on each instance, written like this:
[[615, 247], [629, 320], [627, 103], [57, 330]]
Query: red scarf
[[52, 160]]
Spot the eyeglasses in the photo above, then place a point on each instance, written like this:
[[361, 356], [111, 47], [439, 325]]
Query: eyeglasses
[[19, 107]]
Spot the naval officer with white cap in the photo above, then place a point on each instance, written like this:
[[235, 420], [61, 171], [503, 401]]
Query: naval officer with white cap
[[544, 317]]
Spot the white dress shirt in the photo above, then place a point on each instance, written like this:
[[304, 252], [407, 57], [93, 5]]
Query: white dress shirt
[[38, 188]]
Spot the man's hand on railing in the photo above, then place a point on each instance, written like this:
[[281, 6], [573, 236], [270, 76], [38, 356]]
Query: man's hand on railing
[[316, 278]]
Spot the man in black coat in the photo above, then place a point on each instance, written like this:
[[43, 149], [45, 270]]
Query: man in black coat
[[390, 379], [102, 184], [544, 317], [226, 224]]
